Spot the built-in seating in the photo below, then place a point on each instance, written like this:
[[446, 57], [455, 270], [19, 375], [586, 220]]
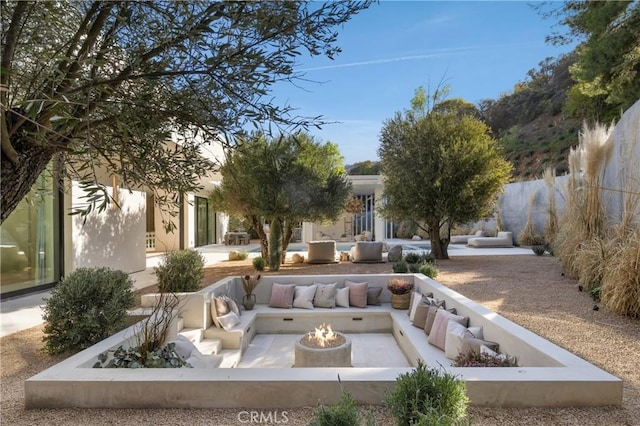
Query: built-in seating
[[503, 239]]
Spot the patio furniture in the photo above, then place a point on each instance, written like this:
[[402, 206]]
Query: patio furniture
[[236, 238], [504, 239], [321, 251], [367, 252], [464, 239]]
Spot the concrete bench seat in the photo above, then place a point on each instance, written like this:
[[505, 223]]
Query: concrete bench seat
[[547, 374], [504, 239]]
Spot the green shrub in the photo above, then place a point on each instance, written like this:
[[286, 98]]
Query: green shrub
[[427, 393], [429, 269], [259, 263], [242, 255], [180, 271], [88, 305], [538, 250], [341, 413], [165, 357], [414, 268], [400, 267], [427, 257], [412, 257]]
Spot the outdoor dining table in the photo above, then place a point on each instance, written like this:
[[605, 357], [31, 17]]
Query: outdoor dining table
[[237, 238]]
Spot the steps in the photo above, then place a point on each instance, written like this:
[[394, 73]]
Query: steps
[[205, 346]]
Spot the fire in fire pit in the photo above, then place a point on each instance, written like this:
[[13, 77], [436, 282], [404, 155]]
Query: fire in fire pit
[[323, 348], [323, 337]]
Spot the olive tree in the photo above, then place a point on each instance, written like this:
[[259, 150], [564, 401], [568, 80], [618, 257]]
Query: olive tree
[[283, 181], [102, 85], [440, 167]]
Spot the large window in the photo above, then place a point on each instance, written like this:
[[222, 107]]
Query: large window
[[29, 240], [205, 222]]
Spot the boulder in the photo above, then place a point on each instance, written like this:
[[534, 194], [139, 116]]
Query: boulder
[[416, 238], [234, 255], [395, 254], [297, 258]]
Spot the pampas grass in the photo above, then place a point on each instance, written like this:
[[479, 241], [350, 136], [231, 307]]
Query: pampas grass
[[621, 281], [591, 260], [551, 230], [528, 236]]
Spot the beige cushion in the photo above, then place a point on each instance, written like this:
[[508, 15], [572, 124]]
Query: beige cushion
[[205, 361], [321, 252], [303, 296], [342, 297], [229, 320], [282, 295], [420, 317], [438, 333], [367, 251], [416, 298], [357, 293], [233, 306], [219, 307], [373, 296], [325, 296], [456, 333]]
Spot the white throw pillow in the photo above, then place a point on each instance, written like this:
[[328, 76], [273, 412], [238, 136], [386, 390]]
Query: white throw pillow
[[229, 320], [303, 296], [342, 297], [205, 361], [233, 306], [184, 347], [484, 350], [456, 334]]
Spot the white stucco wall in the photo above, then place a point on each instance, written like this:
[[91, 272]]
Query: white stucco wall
[[113, 238]]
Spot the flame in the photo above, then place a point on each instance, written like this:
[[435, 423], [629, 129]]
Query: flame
[[323, 335]]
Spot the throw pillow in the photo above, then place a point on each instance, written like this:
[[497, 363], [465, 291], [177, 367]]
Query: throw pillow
[[456, 333], [357, 293], [470, 344], [416, 298], [325, 296], [205, 361], [436, 302], [233, 306], [229, 320], [373, 296], [420, 317], [303, 296], [184, 347], [218, 304], [282, 295], [438, 333], [342, 297], [431, 317]]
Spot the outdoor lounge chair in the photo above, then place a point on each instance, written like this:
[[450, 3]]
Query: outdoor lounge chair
[[367, 252], [321, 251]]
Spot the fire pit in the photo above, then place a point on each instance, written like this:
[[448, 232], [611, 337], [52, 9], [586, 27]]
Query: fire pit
[[323, 348]]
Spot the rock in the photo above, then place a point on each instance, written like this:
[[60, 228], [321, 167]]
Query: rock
[[234, 255], [395, 254], [416, 238], [297, 258]]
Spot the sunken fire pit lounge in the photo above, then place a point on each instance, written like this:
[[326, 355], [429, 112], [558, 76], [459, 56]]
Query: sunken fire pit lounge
[[547, 374]]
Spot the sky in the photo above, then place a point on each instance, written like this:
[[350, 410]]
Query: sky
[[480, 48]]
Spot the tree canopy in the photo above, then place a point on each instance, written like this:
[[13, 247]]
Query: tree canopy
[[282, 181], [607, 69], [440, 167], [101, 85]]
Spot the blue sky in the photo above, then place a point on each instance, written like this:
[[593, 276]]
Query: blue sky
[[482, 49]]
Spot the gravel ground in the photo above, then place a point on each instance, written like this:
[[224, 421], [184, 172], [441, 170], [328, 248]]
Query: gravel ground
[[528, 290]]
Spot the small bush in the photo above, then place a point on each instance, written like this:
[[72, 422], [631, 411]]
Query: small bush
[[400, 267], [341, 413], [180, 271], [242, 255], [429, 269], [538, 250], [88, 305], [427, 393], [259, 263], [165, 357], [414, 268], [477, 359], [412, 258], [427, 257]]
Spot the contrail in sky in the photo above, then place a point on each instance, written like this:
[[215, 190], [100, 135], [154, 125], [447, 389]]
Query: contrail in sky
[[442, 52]]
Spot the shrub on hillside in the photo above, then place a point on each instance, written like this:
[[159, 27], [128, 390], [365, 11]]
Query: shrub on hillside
[[180, 271], [88, 305]]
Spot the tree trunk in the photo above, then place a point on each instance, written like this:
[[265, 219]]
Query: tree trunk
[[17, 179], [439, 246], [286, 240], [275, 244], [264, 243]]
